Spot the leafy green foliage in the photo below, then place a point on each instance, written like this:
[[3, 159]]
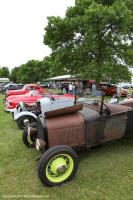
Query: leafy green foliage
[[14, 74], [4, 72], [32, 71], [93, 34], [129, 56]]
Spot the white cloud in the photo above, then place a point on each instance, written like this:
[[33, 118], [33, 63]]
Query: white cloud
[[22, 25]]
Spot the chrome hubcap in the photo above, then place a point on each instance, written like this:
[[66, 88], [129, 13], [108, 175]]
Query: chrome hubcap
[[61, 169], [26, 122]]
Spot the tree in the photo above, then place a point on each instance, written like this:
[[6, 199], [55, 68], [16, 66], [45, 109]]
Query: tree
[[4, 72], [29, 72], [93, 38], [129, 55], [14, 74], [32, 71]]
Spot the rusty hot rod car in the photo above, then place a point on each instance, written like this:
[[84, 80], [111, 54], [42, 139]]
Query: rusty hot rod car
[[61, 133]]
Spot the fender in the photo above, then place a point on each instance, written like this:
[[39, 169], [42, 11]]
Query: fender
[[17, 116], [14, 112]]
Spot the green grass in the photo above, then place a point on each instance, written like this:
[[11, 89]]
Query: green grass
[[104, 173]]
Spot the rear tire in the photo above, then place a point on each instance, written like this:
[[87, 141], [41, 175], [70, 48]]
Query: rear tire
[[57, 165]]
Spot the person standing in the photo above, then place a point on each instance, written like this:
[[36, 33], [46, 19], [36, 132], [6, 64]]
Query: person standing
[[66, 88], [114, 99], [80, 89], [93, 88], [70, 88], [118, 91]]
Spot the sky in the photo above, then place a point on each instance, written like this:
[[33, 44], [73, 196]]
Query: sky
[[22, 24]]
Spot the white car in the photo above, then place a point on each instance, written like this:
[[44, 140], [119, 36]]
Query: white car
[[25, 115]]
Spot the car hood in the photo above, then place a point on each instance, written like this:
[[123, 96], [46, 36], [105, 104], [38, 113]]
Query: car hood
[[29, 94], [15, 92], [25, 99], [123, 89]]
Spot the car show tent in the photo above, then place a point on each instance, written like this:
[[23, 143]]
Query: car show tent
[[63, 77], [4, 80]]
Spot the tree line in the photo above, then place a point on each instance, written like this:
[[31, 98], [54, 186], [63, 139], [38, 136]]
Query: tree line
[[30, 72], [93, 40]]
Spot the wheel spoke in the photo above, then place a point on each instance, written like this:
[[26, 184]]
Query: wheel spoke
[[59, 168]]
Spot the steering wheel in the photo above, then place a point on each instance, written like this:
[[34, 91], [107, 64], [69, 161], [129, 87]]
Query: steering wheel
[[105, 110]]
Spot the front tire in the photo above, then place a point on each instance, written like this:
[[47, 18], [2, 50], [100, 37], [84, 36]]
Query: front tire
[[25, 121], [28, 140], [57, 165]]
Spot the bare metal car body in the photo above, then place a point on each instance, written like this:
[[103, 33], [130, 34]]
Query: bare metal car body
[[80, 126], [86, 127]]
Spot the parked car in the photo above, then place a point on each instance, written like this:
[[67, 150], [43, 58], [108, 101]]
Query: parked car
[[25, 90], [63, 132], [1, 87], [30, 93], [44, 85], [20, 86], [29, 98], [10, 86], [25, 114], [111, 89], [125, 85]]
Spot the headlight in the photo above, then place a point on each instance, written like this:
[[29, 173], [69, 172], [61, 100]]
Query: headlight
[[31, 130], [40, 144], [6, 103]]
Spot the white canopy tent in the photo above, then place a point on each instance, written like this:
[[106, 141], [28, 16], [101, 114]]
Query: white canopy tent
[[63, 77], [4, 80]]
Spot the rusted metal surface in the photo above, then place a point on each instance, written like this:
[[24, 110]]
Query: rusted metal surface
[[129, 126], [93, 126], [117, 108], [63, 111], [127, 103], [87, 127], [114, 108], [116, 123], [99, 128], [65, 129], [115, 126]]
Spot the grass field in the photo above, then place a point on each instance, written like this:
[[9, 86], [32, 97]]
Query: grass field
[[104, 173]]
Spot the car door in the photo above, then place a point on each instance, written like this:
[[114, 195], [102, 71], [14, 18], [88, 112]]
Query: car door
[[94, 125], [115, 126]]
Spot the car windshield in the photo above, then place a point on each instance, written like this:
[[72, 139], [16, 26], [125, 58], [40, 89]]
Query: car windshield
[[23, 88], [32, 93], [26, 87], [87, 101]]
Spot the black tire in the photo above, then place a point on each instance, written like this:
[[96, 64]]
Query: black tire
[[12, 114], [28, 140], [21, 123], [55, 152]]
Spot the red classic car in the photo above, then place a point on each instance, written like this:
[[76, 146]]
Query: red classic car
[[111, 89], [30, 93], [25, 90], [29, 98]]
